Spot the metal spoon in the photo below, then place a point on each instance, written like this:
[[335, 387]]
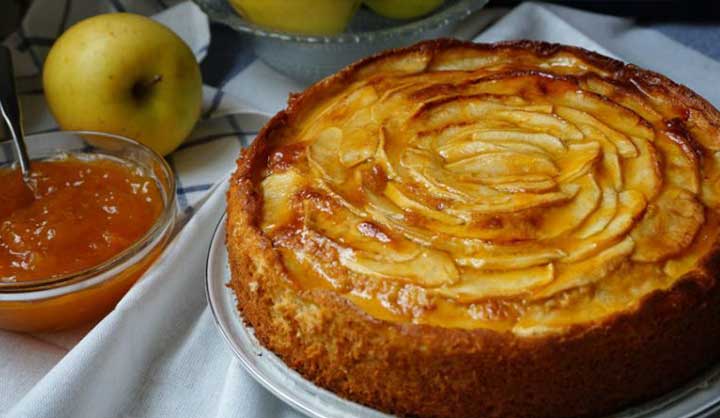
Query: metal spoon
[[10, 109]]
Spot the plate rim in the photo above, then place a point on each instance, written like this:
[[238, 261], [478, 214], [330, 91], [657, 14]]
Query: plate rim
[[247, 365], [648, 409], [265, 381]]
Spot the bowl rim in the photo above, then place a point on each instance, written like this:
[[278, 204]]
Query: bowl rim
[[48, 287], [434, 20]]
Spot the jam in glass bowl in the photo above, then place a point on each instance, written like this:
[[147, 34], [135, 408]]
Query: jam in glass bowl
[[99, 211]]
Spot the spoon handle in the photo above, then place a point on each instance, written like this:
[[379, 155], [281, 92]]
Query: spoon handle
[[10, 109]]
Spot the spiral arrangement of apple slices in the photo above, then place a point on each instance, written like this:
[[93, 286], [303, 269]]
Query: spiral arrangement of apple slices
[[497, 182]]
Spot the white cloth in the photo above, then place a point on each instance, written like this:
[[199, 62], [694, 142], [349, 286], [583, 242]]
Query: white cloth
[[158, 353]]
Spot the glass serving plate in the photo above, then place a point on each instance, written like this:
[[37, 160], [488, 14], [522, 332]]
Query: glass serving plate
[[308, 58], [698, 399]]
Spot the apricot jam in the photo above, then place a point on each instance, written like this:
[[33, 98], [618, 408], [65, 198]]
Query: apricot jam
[[83, 213]]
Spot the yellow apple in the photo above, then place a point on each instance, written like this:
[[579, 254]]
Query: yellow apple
[[403, 9], [124, 74], [311, 17]]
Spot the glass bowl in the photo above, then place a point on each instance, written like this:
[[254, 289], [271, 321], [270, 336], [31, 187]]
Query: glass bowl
[[308, 58], [66, 301]]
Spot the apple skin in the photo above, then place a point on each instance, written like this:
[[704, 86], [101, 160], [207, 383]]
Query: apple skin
[[124, 74], [403, 9], [310, 17]]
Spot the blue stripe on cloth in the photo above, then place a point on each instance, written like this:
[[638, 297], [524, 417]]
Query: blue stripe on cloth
[[118, 6], [181, 197], [214, 137], [194, 189], [30, 41], [216, 100], [65, 14], [241, 136], [27, 77], [32, 92], [228, 54], [26, 45], [704, 38], [243, 57], [202, 49], [43, 131]]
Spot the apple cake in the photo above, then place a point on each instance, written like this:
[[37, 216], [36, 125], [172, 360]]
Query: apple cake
[[519, 229]]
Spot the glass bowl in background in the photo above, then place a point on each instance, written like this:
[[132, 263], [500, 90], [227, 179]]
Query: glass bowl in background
[[66, 301], [308, 58]]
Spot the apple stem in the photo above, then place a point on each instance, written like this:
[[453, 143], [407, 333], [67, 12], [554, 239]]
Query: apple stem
[[141, 89], [156, 79]]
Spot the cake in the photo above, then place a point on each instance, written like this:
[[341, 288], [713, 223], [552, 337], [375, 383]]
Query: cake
[[519, 229]]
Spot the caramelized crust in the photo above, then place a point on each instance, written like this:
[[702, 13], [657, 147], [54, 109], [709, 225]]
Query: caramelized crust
[[518, 229]]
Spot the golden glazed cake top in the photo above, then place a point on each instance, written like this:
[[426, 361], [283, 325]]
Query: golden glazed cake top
[[512, 187]]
